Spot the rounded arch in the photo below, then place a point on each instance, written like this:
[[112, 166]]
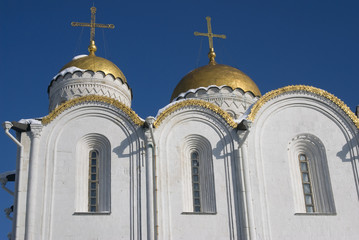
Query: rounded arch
[[171, 108], [171, 134], [77, 121], [232, 113], [297, 97], [302, 88], [195, 143], [88, 143], [92, 98], [313, 149]]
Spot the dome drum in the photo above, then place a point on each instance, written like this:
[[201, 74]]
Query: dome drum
[[78, 84], [89, 75], [235, 102]]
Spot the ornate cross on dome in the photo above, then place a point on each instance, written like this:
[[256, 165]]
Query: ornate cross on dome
[[92, 48], [210, 35]]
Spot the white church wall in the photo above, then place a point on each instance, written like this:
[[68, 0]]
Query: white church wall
[[62, 214], [274, 193], [249, 190], [177, 219]]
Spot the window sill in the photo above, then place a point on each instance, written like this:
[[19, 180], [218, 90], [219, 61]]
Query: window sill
[[199, 213], [92, 213], [315, 214]]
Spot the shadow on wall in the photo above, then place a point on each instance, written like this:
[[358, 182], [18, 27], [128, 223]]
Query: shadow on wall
[[347, 154], [219, 151], [127, 143]]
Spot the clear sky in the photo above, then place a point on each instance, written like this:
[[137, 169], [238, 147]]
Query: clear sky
[[276, 43]]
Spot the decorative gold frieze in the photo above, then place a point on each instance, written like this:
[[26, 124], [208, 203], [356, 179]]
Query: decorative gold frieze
[[195, 102], [92, 98], [272, 94]]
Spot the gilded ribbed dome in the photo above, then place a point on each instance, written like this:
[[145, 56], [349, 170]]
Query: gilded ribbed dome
[[96, 64], [218, 75]]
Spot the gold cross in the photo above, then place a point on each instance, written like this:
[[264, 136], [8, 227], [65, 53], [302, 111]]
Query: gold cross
[[92, 25], [210, 36]]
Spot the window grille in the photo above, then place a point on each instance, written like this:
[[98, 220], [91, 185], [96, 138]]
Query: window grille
[[93, 181], [306, 182], [196, 182]]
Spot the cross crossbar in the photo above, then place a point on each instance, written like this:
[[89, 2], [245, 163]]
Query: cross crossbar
[[93, 24], [209, 34]]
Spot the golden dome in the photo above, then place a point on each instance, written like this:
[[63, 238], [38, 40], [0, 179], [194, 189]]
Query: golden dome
[[216, 74], [96, 64]]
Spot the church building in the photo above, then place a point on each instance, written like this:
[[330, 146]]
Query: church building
[[221, 161]]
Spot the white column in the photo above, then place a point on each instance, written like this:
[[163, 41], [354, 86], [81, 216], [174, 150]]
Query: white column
[[248, 193], [242, 202], [150, 180], [31, 215], [149, 185]]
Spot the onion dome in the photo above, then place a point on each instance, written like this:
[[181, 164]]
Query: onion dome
[[93, 63], [89, 75], [214, 74], [217, 75], [222, 85]]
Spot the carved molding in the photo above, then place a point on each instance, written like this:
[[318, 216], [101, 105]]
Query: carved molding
[[275, 93], [88, 142], [79, 84], [70, 91], [84, 74], [195, 102], [315, 152], [201, 145], [36, 130], [203, 92], [233, 101], [92, 98]]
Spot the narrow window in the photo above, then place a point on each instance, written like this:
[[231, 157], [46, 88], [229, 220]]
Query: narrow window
[[199, 195], [306, 182], [93, 181], [196, 182]]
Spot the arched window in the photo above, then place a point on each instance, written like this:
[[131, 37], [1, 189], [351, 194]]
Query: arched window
[[198, 176], [93, 181], [93, 185], [196, 189], [310, 180], [307, 183]]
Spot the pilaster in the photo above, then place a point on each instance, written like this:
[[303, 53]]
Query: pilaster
[[32, 225]]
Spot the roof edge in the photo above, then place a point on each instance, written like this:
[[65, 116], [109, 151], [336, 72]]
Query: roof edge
[[92, 98], [194, 102], [274, 93]]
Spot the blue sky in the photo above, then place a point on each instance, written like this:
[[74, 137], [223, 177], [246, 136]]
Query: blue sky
[[276, 43]]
